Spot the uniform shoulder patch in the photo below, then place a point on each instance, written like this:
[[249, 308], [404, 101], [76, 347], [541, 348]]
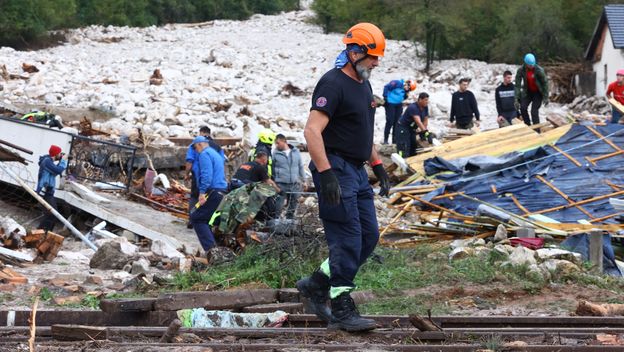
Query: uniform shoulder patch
[[321, 101]]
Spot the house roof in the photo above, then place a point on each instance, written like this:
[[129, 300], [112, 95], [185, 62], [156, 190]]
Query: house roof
[[613, 17]]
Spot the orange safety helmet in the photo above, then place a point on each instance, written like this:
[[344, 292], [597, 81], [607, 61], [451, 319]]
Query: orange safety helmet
[[368, 36], [411, 84]]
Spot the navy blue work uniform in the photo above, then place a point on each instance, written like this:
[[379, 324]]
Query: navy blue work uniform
[[211, 182], [406, 135], [351, 226]]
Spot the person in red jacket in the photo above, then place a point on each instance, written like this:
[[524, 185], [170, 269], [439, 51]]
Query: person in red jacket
[[616, 91]]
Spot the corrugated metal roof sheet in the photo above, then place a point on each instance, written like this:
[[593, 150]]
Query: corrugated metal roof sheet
[[615, 21]]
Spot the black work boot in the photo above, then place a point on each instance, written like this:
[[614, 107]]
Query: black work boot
[[345, 315], [316, 289]]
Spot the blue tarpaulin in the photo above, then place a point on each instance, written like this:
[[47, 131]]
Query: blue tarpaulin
[[515, 174]]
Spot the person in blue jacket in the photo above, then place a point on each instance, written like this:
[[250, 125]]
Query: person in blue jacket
[[394, 93], [211, 185], [191, 165], [46, 181]]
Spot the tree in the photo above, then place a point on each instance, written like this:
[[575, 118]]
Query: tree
[[537, 27], [25, 20]]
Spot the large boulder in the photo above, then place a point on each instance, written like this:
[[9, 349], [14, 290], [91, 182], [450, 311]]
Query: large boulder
[[522, 256], [110, 256], [557, 253], [560, 267], [461, 253]]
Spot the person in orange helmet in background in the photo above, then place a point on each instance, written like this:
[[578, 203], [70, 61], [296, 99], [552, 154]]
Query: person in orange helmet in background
[[339, 133], [394, 93]]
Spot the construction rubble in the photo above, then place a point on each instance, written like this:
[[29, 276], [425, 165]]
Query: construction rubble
[[543, 196]]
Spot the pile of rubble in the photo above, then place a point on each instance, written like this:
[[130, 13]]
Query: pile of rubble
[[594, 108], [545, 263]]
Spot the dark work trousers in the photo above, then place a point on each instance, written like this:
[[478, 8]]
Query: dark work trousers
[[406, 141], [49, 220], [288, 195], [535, 99], [268, 210], [393, 113], [350, 227], [615, 115], [194, 193], [509, 115], [464, 123], [201, 216]]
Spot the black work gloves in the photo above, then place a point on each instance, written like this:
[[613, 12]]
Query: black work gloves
[[426, 136], [384, 180], [330, 188]]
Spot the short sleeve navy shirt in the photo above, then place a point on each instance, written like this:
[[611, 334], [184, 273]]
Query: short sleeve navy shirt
[[350, 107], [413, 110]]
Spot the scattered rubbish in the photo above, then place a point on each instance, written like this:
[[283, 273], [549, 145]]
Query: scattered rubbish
[[201, 318]]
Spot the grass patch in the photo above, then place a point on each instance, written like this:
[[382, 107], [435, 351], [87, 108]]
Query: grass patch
[[399, 270], [257, 265]]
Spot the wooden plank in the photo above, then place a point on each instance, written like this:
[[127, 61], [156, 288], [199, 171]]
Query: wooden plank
[[599, 135], [79, 332], [15, 254], [127, 305], [91, 317], [565, 196], [521, 138], [118, 219], [215, 300], [616, 104], [576, 162], [585, 201]]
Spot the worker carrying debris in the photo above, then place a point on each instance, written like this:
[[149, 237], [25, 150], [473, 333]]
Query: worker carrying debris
[[211, 185], [505, 97], [531, 89], [615, 90], [266, 138], [256, 171], [46, 181], [45, 118], [192, 165], [414, 121], [289, 175], [339, 133], [393, 94], [464, 106]]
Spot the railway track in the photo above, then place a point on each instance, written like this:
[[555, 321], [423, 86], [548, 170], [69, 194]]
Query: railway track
[[306, 332]]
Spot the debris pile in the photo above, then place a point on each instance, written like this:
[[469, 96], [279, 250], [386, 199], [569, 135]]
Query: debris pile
[[509, 182]]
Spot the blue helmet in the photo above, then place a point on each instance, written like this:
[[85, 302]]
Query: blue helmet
[[529, 59]]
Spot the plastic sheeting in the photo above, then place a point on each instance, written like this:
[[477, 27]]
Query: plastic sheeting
[[580, 244], [201, 318], [515, 174]]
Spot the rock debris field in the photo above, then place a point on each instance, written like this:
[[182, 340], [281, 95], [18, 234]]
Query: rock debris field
[[235, 76]]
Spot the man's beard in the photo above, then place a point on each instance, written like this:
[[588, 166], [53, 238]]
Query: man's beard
[[363, 72]]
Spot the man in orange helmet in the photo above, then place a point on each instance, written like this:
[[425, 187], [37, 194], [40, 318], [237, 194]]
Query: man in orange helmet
[[394, 93], [339, 134]]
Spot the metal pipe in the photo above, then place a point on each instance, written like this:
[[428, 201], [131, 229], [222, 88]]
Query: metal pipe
[[16, 147], [49, 207]]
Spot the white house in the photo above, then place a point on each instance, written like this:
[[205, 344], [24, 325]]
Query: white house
[[606, 49]]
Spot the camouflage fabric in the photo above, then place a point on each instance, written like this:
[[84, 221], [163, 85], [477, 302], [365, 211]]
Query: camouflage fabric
[[242, 204]]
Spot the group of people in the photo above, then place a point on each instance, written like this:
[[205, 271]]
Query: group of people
[[512, 101], [339, 134], [272, 160]]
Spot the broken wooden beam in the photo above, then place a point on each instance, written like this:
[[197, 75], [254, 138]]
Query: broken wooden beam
[[127, 305], [79, 332], [215, 300], [565, 196]]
